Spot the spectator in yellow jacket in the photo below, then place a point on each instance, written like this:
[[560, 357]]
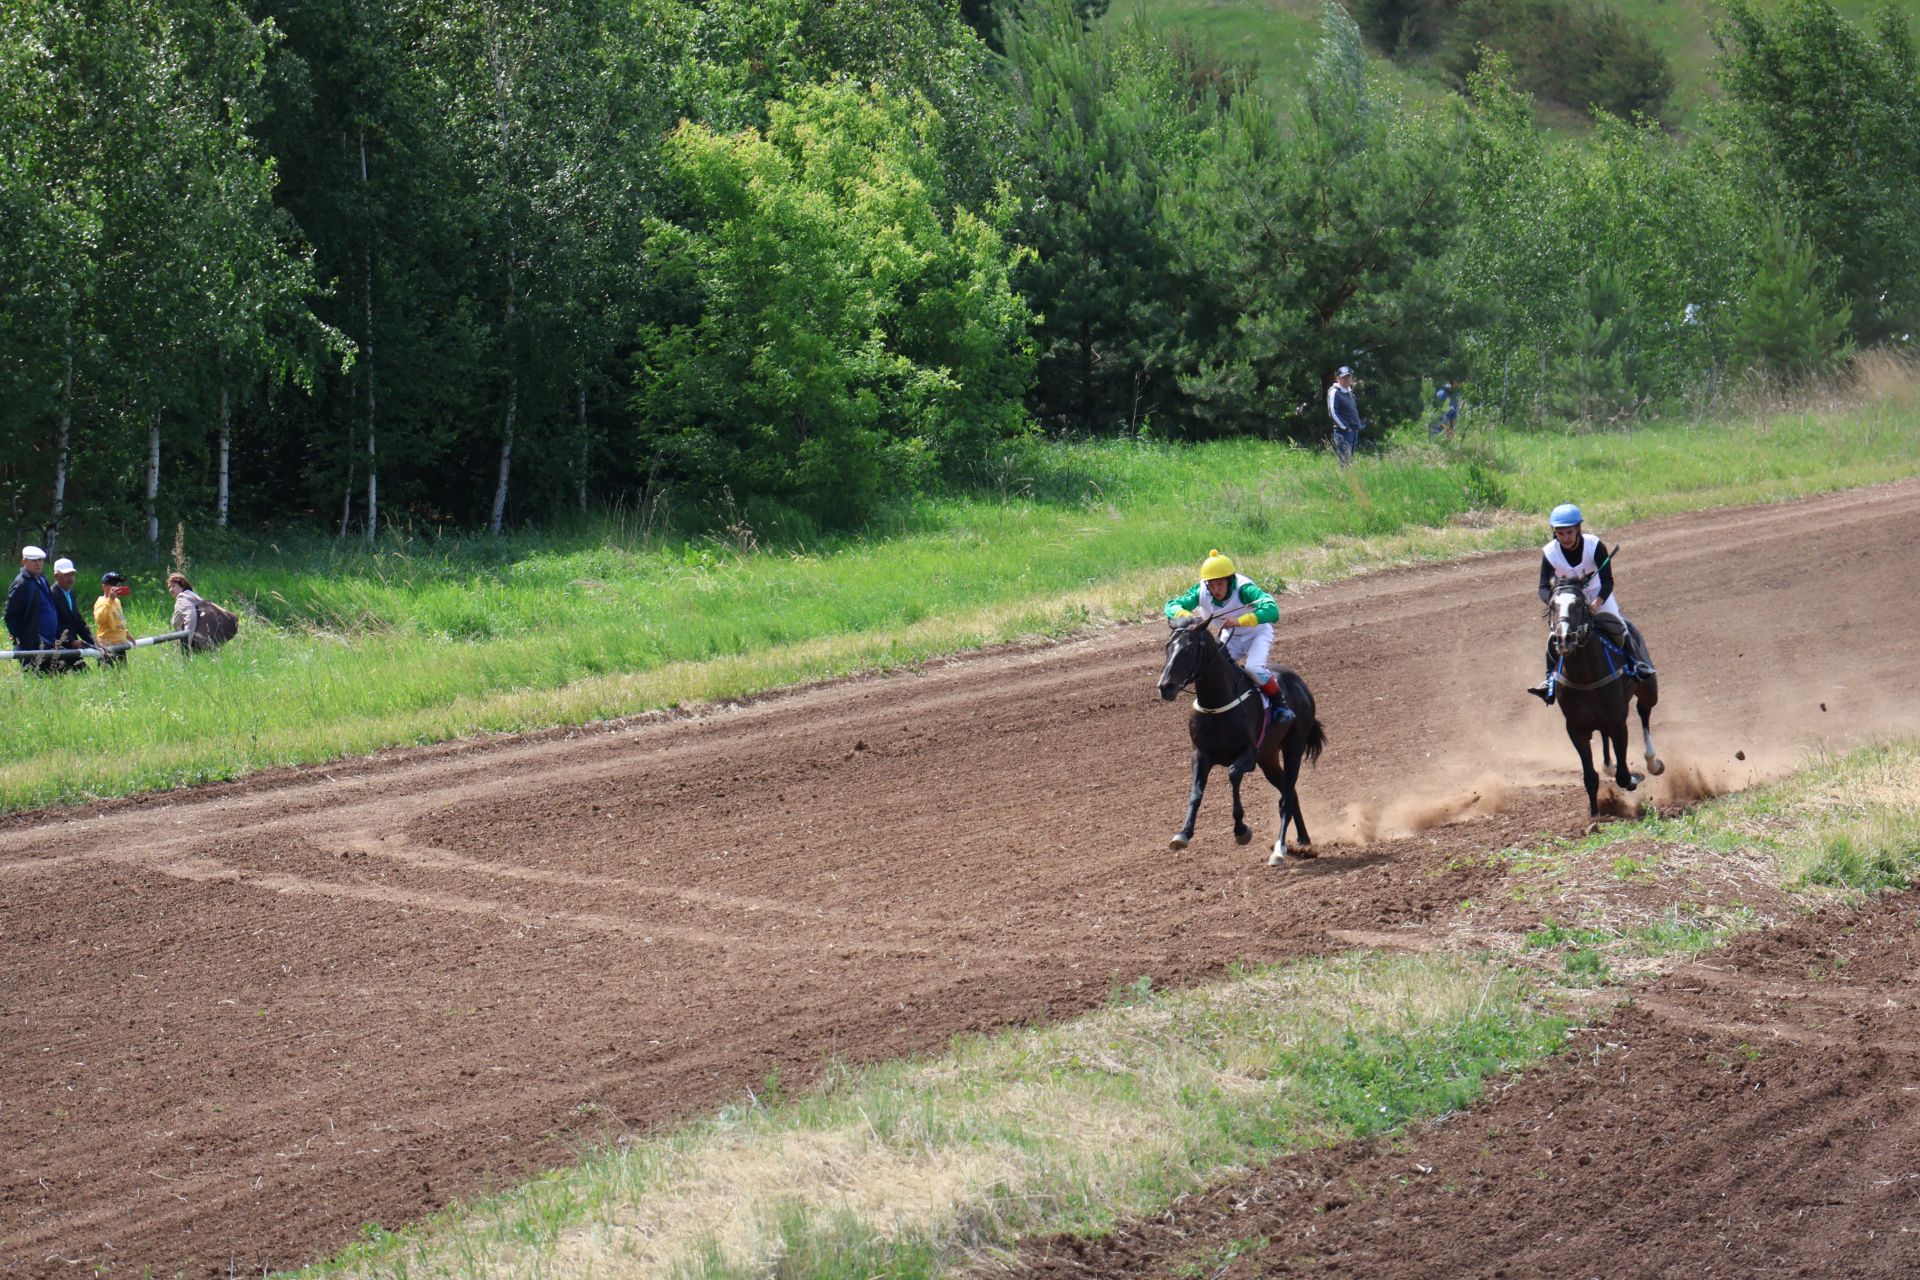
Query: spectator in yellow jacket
[[109, 622]]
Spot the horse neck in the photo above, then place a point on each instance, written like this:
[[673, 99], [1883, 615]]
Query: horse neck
[[1220, 679], [1586, 662]]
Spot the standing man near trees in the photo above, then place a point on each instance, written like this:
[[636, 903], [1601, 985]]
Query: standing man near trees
[[69, 621], [1345, 411], [32, 620]]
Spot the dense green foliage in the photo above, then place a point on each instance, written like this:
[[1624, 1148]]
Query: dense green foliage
[[1827, 117], [464, 263]]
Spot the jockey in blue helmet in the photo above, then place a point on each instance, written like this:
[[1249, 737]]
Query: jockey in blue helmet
[[1571, 553]]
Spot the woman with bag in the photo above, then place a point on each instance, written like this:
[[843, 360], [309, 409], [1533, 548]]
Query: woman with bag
[[207, 625]]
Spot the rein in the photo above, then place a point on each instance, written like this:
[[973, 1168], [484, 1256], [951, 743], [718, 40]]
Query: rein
[[1583, 633], [1214, 711], [1212, 656]]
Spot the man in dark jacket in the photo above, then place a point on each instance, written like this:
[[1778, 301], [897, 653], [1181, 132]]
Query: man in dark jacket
[[1345, 412], [69, 619], [32, 620]]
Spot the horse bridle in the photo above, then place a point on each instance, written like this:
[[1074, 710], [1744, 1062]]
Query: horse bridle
[[1212, 656], [1576, 636]]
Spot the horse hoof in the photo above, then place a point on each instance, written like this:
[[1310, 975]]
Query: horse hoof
[[1306, 851], [1656, 766], [1633, 782], [1278, 858], [1243, 835], [1593, 828], [1179, 842]]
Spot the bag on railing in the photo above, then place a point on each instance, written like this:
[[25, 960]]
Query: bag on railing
[[214, 627]]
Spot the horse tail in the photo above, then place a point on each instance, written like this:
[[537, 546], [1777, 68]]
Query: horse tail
[[1311, 734], [1313, 738]]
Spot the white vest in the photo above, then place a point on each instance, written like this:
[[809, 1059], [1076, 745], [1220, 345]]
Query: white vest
[[1231, 607], [1563, 569]]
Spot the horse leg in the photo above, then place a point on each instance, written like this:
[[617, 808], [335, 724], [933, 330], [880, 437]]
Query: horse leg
[[1201, 768], [1606, 751], [1655, 765], [1276, 775], [1621, 777], [1583, 743], [1242, 833]]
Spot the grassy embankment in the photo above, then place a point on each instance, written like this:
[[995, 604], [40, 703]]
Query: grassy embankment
[[911, 1169], [1280, 37], [346, 651]]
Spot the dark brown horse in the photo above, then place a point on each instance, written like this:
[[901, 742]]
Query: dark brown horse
[[1593, 684], [1228, 727]]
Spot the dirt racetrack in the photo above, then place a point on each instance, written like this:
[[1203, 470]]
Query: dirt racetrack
[[1753, 1114], [239, 1022]]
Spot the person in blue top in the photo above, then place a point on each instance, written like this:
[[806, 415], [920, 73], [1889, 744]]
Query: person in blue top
[[32, 620], [1574, 553], [1448, 398], [1345, 412]]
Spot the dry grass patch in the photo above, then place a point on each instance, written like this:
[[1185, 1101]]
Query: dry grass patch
[[908, 1168], [1641, 896]]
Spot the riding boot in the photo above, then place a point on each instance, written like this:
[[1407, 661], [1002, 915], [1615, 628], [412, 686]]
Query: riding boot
[[1544, 690], [1280, 712]]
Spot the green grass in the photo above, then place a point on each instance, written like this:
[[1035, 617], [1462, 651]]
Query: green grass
[[1276, 38], [1279, 37], [1840, 828], [906, 1169], [346, 651], [1847, 825]]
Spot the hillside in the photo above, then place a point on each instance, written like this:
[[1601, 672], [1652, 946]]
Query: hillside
[[1279, 37]]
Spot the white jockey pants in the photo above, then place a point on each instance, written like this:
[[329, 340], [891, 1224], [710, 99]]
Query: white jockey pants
[[1249, 647]]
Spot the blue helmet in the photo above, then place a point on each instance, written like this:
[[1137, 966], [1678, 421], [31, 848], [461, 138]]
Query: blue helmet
[[1565, 516]]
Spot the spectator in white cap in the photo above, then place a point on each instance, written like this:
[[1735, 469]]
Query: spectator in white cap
[[70, 623], [1345, 412], [32, 620]]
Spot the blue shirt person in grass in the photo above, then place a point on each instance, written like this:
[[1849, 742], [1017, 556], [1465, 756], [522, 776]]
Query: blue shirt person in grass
[[1448, 398], [32, 620]]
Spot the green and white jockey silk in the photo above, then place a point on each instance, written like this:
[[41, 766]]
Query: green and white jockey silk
[[1248, 646]]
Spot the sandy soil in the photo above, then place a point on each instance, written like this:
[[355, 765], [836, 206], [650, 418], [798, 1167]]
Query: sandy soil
[[238, 1022]]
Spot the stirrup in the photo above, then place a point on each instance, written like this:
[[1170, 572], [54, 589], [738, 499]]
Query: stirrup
[[1541, 692]]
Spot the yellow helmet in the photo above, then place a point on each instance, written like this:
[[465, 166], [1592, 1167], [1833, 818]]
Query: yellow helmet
[[1216, 565]]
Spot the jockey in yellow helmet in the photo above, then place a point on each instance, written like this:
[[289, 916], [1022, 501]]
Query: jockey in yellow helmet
[[1245, 613]]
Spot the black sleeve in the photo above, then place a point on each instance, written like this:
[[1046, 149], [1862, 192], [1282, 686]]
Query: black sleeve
[[1605, 561], [1546, 579], [67, 618], [17, 603]]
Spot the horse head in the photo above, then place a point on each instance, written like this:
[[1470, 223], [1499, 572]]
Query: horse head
[[1190, 650], [1569, 619]]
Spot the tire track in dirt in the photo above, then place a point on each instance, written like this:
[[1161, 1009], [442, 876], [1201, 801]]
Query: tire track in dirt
[[1751, 1117], [241, 1021]]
